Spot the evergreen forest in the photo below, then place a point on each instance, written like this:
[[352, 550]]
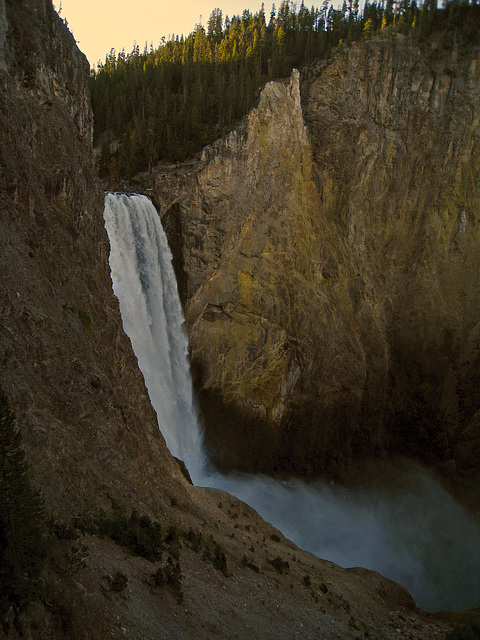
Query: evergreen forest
[[22, 523], [165, 104]]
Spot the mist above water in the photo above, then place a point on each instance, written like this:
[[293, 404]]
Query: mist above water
[[418, 536], [412, 531]]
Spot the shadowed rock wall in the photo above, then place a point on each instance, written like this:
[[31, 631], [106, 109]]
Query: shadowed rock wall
[[66, 365]]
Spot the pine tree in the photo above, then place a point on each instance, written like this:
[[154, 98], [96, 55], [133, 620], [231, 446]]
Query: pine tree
[[368, 30], [22, 520]]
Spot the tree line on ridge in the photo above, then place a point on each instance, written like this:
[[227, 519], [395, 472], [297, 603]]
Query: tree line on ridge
[[165, 104]]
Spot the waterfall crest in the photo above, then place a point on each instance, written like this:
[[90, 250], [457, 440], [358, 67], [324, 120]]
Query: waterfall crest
[[145, 285]]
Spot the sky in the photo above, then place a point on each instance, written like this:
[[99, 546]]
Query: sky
[[100, 25]]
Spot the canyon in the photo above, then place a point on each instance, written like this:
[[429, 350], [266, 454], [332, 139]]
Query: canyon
[[273, 268]]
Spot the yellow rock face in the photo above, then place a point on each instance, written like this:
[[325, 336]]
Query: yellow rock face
[[331, 251]]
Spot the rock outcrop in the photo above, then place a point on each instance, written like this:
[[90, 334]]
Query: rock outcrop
[[66, 365], [328, 252]]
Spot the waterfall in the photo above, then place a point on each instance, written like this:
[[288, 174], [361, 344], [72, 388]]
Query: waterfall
[[418, 535], [145, 285]]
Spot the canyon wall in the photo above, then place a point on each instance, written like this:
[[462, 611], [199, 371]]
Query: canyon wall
[[328, 254], [66, 365]]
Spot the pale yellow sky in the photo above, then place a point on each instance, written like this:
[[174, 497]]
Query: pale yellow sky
[[100, 25]]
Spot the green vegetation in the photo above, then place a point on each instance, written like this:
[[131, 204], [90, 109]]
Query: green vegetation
[[144, 538], [249, 565], [27, 543], [86, 320], [219, 559], [119, 582], [215, 554], [75, 558], [23, 539], [280, 565], [195, 538], [172, 539], [170, 575], [469, 631], [137, 533], [165, 104]]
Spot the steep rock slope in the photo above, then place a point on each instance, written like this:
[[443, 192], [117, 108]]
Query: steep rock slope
[[403, 192], [328, 254], [67, 367]]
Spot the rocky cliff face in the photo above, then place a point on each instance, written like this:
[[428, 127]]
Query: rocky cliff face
[[403, 192], [67, 367], [329, 255]]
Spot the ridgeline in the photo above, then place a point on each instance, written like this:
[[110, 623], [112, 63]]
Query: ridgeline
[[165, 104]]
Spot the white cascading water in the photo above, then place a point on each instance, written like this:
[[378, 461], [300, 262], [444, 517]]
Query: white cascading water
[[145, 285], [419, 536]]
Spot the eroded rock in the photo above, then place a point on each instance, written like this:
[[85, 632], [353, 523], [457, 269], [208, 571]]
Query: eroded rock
[[329, 259]]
